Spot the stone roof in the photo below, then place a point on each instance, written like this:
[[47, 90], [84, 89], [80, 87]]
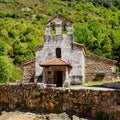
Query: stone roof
[[39, 48], [55, 62], [79, 44], [101, 58], [28, 61]]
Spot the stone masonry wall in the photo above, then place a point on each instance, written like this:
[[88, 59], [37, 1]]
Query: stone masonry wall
[[29, 71], [36, 97], [74, 56], [98, 68]]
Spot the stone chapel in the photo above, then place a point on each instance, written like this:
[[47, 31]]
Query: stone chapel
[[63, 62]]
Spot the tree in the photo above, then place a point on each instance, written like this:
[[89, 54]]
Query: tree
[[3, 51], [6, 69]]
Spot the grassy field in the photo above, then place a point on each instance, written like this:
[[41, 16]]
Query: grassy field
[[100, 83]]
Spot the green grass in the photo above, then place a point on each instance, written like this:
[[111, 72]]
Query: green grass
[[99, 83]]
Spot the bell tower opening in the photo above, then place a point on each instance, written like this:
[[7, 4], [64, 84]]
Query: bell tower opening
[[53, 26], [58, 53], [64, 28]]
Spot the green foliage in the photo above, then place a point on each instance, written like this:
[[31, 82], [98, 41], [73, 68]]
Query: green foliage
[[103, 116], [14, 14], [3, 51], [8, 1], [6, 69], [41, 17], [17, 74], [8, 72]]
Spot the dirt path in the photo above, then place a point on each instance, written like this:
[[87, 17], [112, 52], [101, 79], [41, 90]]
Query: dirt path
[[17, 115]]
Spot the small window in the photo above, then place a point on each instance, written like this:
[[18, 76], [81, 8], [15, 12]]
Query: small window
[[58, 53]]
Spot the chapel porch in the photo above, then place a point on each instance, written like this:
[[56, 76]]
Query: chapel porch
[[56, 71]]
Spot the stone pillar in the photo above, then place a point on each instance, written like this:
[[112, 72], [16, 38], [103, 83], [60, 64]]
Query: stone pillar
[[66, 73], [43, 80], [58, 29], [47, 30], [69, 29], [67, 81], [35, 79], [83, 68]]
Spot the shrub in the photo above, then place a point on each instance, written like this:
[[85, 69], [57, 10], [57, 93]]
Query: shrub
[[103, 116]]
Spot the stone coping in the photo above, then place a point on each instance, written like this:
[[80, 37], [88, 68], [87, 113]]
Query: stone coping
[[113, 85], [48, 86]]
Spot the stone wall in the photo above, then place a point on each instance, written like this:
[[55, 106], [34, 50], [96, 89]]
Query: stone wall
[[37, 97], [28, 70], [99, 68]]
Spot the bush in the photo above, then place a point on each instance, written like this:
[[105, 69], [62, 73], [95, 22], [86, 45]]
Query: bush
[[2, 15], [14, 14], [103, 116], [6, 69], [3, 51]]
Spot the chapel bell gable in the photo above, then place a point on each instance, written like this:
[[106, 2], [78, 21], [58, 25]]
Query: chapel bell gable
[[59, 25]]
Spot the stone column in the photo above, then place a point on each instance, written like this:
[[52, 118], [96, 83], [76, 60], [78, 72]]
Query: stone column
[[47, 30], [67, 81], [58, 29], [83, 68], [35, 79], [43, 80], [66, 73], [69, 29]]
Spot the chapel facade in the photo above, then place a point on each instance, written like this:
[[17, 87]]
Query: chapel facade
[[63, 62]]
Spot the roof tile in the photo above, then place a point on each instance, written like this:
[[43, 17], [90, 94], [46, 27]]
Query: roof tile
[[55, 62]]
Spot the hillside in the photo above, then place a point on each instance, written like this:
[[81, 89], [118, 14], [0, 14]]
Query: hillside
[[22, 22]]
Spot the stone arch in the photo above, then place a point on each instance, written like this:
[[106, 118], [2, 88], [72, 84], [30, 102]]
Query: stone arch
[[53, 28], [64, 28], [58, 52]]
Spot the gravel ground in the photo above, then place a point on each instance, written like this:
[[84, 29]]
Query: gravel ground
[[17, 115]]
